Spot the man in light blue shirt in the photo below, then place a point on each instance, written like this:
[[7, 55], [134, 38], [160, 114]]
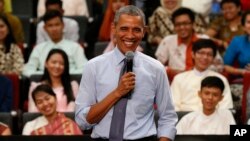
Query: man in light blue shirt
[[54, 27], [101, 88]]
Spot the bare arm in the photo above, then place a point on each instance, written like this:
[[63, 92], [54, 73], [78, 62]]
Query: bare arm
[[99, 110]]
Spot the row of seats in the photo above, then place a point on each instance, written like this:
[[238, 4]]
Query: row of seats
[[88, 138], [18, 120], [28, 8]]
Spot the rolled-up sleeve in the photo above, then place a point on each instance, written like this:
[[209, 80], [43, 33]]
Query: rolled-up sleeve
[[167, 115], [85, 97]]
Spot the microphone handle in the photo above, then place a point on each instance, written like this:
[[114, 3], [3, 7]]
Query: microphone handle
[[129, 69]]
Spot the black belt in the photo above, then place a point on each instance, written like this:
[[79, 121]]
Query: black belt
[[150, 138]]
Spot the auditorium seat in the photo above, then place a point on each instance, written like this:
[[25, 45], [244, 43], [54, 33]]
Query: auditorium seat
[[83, 25], [28, 116], [37, 77], [246, 86], [16, 84], [7, 119], [23, 8]]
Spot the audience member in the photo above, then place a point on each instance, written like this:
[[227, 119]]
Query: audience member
[[225, 27], [70, 28], [71, 7], [161, 25], [4, 129], [54, 27], [209, 120], [56, 74], [175, 51], [11, 57], [6, 94], [238, 50], [186, 85], [101, 92], [15, 24], [51, 122]]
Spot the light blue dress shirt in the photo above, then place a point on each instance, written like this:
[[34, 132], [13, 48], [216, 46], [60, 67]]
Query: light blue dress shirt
[[101, 76]]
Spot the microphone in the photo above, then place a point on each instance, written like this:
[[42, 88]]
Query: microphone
[[129, 63]]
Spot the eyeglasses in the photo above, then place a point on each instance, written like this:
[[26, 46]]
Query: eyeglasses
[[182, 24], [202, 53]]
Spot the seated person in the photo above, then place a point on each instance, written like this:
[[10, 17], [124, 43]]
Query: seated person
[[160, 24], [225, 27], [56, 74], [54, 27], [209, 120], [51, 122], [12, 60], [71, 27], [175, 51], [238, 51], [4, 129], [15, 23], [185, 85], [6, 94]]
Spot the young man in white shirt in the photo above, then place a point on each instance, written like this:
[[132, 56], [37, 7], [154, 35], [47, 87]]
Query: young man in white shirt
[[209, 120], [54, 27], [71, 27]]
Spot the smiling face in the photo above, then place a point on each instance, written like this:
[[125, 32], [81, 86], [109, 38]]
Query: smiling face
[[55, 65], [203, 58], [210, 97], [230, 11], [128, 32], [183, 26], [45, 103]]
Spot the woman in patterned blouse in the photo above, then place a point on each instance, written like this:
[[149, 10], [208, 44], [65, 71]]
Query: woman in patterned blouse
[[11, 57]]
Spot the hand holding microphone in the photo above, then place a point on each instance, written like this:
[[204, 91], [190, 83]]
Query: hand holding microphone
[[127, 81]]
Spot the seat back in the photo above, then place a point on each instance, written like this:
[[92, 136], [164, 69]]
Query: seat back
[[28, 116], [23, 8], [246, 86], [7, 119], [83, 25], [16, 89], [37, 77]]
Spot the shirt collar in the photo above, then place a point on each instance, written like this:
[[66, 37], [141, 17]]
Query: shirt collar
[[119, 56], [193, 39], [199, 73]]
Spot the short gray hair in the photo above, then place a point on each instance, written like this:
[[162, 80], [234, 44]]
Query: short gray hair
[[129, 10]]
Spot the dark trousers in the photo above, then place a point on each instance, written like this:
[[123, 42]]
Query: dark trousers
[[150, 138]]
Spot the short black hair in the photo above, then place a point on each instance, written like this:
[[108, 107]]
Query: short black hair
[[52, 2], [204, 43], [50, 14], [183, 11], [213, 81], [236, 2], [244, 17], [43, 88]]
